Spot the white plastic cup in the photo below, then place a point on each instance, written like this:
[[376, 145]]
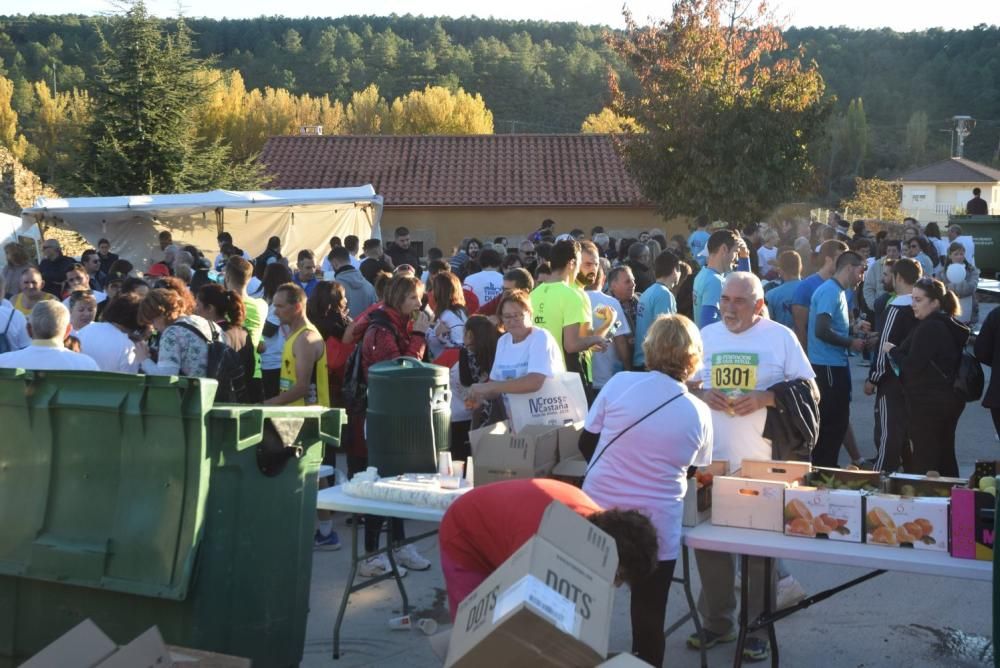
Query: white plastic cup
[[444, 463], [403, 623], [458, 469], [428, 626]]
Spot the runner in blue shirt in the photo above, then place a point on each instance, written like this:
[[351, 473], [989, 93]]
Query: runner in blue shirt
[[657, 300], [829, 251], [724, 247], [829, 335], [779, 299]]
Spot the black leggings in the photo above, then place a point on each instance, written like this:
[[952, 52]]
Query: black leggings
[[270, 382], [932, 432], [649, 611], [373, 523]]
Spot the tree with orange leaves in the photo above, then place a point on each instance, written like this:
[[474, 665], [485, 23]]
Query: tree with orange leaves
[[728, 110]]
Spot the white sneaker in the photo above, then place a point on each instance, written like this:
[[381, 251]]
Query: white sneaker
[[409, 557], [790, 592], [378, 565]]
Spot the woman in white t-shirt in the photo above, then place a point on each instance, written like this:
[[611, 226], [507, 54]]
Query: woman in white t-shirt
[[525, 356], [272, 341], [646, 431], [448, 302]]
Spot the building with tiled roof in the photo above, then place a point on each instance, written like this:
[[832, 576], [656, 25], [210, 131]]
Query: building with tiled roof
[[446, 188], [934, 191]]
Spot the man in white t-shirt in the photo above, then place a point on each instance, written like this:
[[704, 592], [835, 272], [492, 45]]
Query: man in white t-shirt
[[488, 283], [618, 356], [13, 324], [744, 355], [49, 326]]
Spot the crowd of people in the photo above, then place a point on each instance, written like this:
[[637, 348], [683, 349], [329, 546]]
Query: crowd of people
[[689, 349]]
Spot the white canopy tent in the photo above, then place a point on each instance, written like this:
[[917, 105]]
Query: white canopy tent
[[300, 218], [10, 231]]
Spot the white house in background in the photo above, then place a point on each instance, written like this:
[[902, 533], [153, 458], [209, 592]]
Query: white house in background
[[932, 192]]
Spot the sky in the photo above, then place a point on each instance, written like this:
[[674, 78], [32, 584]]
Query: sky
[[900, 15]]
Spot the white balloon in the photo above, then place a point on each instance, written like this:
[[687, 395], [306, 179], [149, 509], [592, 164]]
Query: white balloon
[[955, 273]]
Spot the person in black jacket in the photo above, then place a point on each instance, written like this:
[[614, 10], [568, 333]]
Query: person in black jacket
[[928, 360], [987, 350], [892, 445], [401, 252]]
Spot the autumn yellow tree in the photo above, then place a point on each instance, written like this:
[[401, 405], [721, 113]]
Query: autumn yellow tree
[[606, 121], [9, 136], [874, 199], [366, 112], [437, 110], [58, 129]]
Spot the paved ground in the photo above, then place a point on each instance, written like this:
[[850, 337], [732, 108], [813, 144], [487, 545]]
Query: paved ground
[[896, 619]]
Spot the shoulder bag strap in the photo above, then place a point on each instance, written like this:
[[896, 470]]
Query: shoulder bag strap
[[624, 431]]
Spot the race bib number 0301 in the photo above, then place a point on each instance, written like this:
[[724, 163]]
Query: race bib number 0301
[[734, 371]]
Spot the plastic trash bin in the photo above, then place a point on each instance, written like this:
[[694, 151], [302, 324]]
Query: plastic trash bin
[[409, 416], [985, 233], [132, 501]]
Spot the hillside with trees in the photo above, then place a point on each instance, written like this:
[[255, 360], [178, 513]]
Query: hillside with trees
[[892, 94]]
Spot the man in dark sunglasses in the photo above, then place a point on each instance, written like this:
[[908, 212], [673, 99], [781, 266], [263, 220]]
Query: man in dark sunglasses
[[529, 256]]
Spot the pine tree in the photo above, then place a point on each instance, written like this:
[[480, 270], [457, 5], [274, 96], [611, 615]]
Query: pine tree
[[144, 137]]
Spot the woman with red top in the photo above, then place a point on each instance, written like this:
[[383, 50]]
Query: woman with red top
[[384, 336], [479, 532], [327, 310]]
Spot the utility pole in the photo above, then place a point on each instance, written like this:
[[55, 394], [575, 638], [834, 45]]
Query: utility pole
[[963, 127]]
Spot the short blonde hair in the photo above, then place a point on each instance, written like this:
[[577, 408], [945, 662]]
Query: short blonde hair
[[673, 346]]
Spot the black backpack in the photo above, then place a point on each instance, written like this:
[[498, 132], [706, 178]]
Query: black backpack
[[224, 366], [969, 379], [355, 388]]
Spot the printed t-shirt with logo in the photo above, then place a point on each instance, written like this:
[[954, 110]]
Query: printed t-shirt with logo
[[557, 305], [484, 284], [538, 353], [756, 359]]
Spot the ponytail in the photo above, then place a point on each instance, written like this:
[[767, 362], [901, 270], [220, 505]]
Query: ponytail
[[949, 304], [227, 304], [935, 289], [235, 310]]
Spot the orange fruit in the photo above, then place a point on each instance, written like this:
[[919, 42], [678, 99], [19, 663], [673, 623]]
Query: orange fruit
[[796, 509], [877, 517], [801, 527]]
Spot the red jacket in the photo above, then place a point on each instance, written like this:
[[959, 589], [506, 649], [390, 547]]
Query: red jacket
[[379, 344]]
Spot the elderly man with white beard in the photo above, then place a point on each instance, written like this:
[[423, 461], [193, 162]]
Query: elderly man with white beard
[[745, 356]]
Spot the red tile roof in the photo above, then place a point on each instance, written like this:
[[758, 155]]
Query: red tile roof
[[953, 170], [462, 171]]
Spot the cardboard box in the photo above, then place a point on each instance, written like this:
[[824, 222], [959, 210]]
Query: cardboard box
[[830, 478], [572, 466], [509, 621], [973, 523], [498, 454], [753, 497], [835, 514], [909, 484], [919, 522], [86, 646], [973, 515], [698, 500]]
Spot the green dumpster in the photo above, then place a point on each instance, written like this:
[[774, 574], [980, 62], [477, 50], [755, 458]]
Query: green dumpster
[[409, 416], [132, 501], [985, 233]]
